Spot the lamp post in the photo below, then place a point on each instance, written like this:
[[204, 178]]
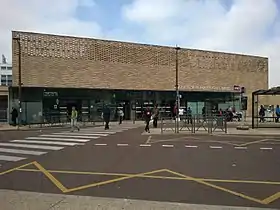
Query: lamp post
[[17, 39], [177, 91]]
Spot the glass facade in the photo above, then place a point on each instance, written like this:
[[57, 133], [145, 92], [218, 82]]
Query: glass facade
[[42, 104]]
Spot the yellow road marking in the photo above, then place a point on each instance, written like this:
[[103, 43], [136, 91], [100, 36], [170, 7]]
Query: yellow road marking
[[173, 140], [113, 180], [51, 177], [148, 140], [254, 142], [156, 177], [16, 168], [271, 198], [179, 176], [217, 187]]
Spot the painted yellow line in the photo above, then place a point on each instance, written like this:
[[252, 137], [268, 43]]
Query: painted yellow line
[[148, 140], [182, 139], [179, 176], [16, 168], [112, 180], [156, 177], [271, 198], [217, 187], [254, 142], [57, 183]]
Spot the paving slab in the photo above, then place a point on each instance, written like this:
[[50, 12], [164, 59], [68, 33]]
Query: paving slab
[[14, 200]]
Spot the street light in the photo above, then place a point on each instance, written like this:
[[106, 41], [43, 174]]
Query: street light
[[17, 39], [177, 91]]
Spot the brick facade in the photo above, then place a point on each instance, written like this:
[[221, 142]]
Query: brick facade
[[60, 61]]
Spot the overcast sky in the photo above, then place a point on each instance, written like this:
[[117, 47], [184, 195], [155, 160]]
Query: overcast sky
[[242, 26]]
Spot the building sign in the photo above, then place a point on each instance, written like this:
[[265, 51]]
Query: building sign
[[50, 94], [205, 88], [236, 87]]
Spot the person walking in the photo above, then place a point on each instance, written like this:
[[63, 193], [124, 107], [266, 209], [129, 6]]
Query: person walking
[[106, 116], [121, 114], [74, 120], [147, 117], [155, 116], [14, 114], [277, 112], [262, 114]]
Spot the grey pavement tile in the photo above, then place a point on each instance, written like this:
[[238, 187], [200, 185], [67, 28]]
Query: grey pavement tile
[[20, 200], [16, 200]]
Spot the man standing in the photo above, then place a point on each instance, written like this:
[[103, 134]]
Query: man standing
[[155, 116], [106, 116], [147, 117], [74, 120], [277, 112], [121, 114], [14, 114]]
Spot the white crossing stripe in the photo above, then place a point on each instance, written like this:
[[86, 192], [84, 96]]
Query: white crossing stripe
[[47, 142], [145, 145], [68, 136], [266, 148], [83, 134], [167, 145], [96, 132], [240, 147], [122, 144], [57, 139], [31, 146], [19, 151], [10, 158], [190, 146], [216, 147], [100, 130], [100, 144]]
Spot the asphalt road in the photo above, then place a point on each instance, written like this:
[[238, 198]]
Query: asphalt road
[[192, 169]]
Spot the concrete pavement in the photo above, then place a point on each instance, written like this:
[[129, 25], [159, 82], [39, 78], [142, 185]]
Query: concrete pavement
[[46, 201], [122, 166]]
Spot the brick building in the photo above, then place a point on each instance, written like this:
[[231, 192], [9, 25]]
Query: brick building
[[61, 71]]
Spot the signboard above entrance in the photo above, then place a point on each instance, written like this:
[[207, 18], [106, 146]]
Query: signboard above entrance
[[206, 88]]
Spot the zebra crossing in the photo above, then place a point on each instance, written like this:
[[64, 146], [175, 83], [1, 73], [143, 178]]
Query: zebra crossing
[[21, 149]]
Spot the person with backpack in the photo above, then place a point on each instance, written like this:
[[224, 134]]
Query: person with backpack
[[147, 117]]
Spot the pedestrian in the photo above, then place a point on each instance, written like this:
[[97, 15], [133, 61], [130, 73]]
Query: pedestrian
[[74, 120], [262, 114], [277, 112], [155, 116], [14, 114], [147, 117], [106, 116], [121, 115]]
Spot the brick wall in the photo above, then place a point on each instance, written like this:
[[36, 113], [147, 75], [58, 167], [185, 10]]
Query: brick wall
[[59, 61]]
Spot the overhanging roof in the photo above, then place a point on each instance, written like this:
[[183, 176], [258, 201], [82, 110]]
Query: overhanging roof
[[272, 91]]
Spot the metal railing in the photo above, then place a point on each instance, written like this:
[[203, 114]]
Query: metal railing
[[194, 124], [59, 120]]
